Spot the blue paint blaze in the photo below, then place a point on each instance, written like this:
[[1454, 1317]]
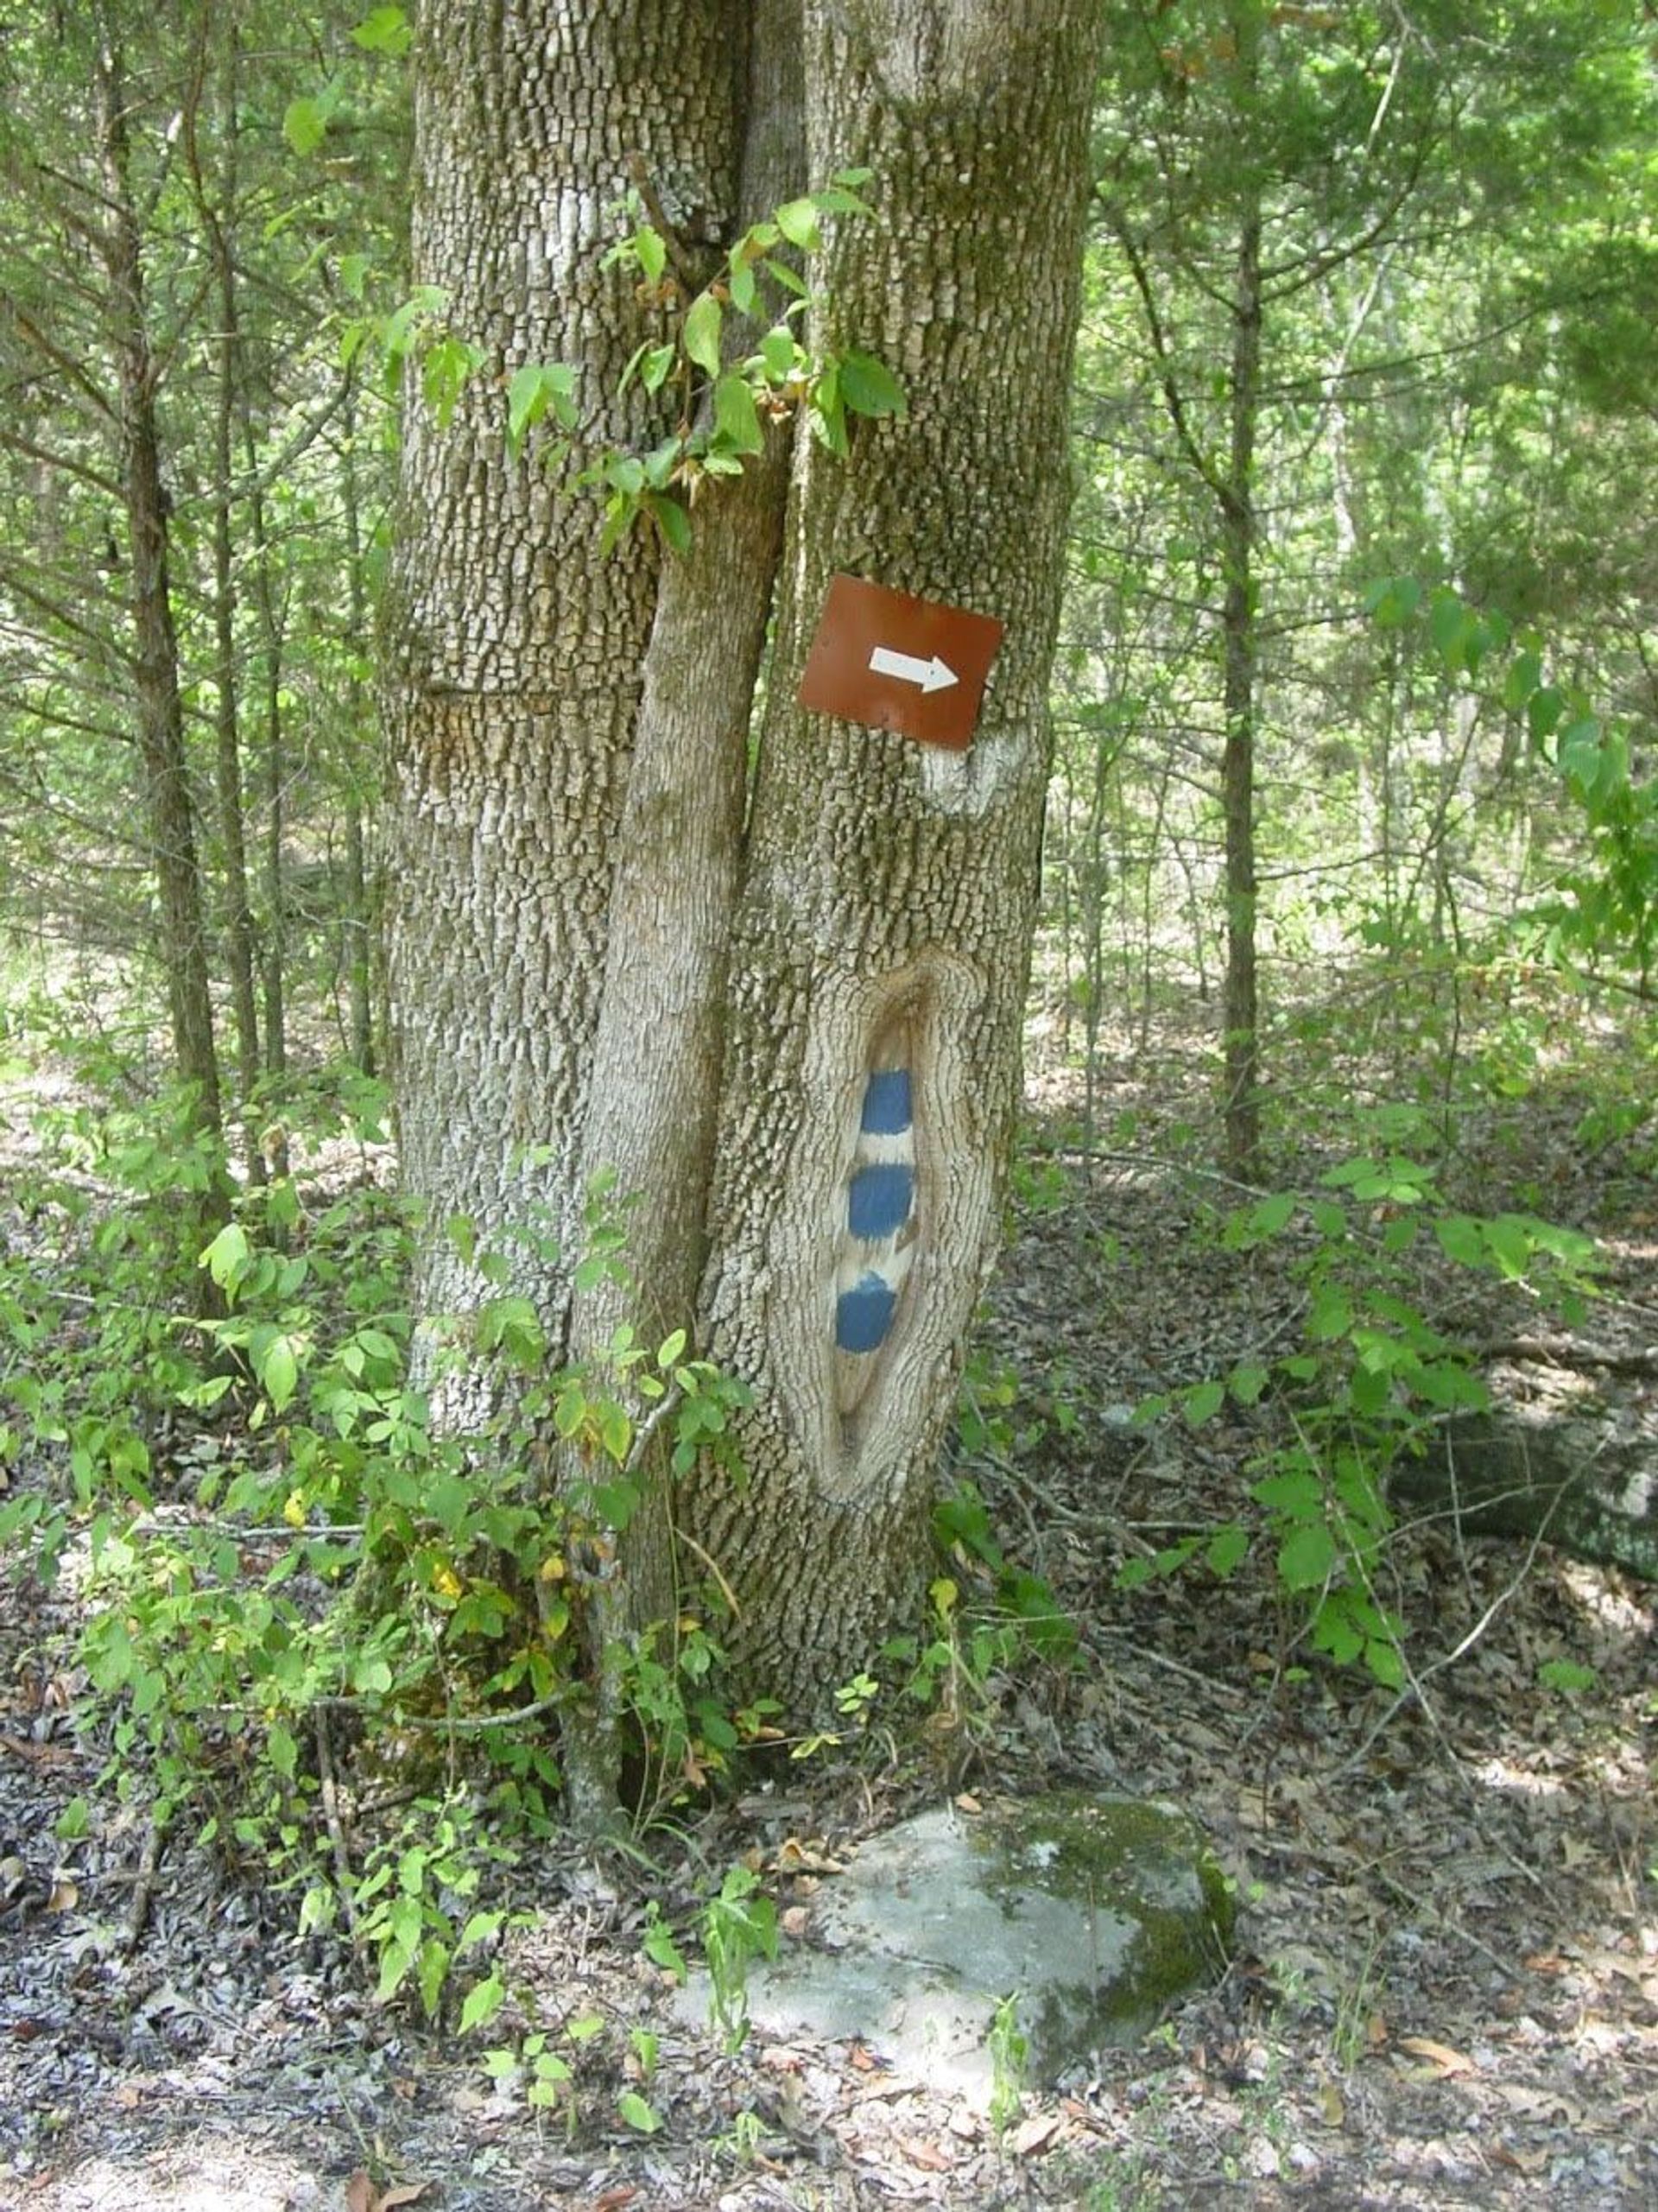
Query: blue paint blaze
[[886, 1103], [877, 1200], [864, 1315]]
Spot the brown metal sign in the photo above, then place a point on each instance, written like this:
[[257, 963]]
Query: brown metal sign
[[896, 662]]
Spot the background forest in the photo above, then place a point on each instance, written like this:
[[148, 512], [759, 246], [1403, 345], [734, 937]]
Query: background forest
[[1341, 1063]]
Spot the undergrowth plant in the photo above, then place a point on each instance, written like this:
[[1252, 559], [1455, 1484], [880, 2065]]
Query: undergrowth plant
[[316, 1564], [1372, 1379]]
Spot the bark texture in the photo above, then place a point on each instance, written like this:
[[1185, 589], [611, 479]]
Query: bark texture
[[171, 817], [658, 1046], [1240, 1014], [516, 648], [569, 732], [656, 1054], [884, 922]]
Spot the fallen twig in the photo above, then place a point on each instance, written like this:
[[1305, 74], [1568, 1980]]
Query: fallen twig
[[143, 1887], [343, 1880], [1567, 1352]]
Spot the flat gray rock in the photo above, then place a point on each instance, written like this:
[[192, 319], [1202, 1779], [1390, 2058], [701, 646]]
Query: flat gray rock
[[1092, 1913]]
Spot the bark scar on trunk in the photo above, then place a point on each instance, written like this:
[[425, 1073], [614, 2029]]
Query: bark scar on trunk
[[879, 1249]]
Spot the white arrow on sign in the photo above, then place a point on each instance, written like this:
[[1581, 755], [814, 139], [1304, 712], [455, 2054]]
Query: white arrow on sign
[[932, 675]]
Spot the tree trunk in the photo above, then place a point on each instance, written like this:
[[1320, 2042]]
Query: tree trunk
[[1239, 1011], [239, 912], [160, 714], [656, 1059], [274, 975], [594, 964], [360, 921], [518, 647], [882, 946]]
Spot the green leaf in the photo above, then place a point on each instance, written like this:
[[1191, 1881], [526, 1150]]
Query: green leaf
[[317, 1909], [700, 336], [1543, 712], [829, 412], [651, 248], [73, 1822], [779, 353], [1335, 1630], [1226, 1549], [637, 2112], [282, 1750], [736, 416], [384, 30], [671, 518], [1271, 1214], [869, 387], [654, 366], [1512, 1244], [616, 1432], [483, 2000], [478, 1929], [435, 1972], [1449, 623], [780, 273], [1293, 1493], [532, 391], [616, 1503], [659, 1948], [1392, 600], [1247, 1382], [1202, 1402], [305, 125], [1331, 1316], [1525, 674], [1306, 1556], [798, 221], [279, 1372], [228, 1257]]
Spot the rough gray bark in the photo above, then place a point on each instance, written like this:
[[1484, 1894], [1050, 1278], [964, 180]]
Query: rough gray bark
[[160, 716], [1240, 1016], [517, 649], [888, 893], [359, 916], [239, 949], [656, 1055], [568, 732]]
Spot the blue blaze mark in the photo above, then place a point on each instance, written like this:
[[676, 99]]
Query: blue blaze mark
[[877, 1200], [886, 1102], [864, 1315]]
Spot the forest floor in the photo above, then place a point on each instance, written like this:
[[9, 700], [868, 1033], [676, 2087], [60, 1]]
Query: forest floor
[[1445, 1989]]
